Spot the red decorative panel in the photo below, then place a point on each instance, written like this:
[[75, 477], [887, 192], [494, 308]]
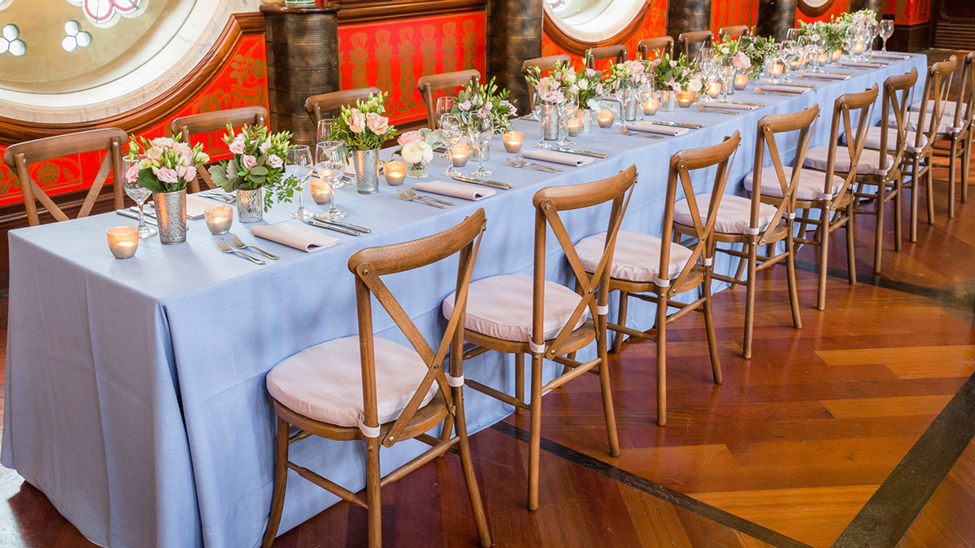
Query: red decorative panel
[[653, 26], [837, 9], [729, 13], [393, 55], [908, 12]]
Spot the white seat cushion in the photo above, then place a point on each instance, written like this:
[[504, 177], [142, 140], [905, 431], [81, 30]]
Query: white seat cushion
[[868, 165], [811, 183], [946, 122], [501, 307], [947, 108], [734, 213], [873, 139], [636, 257], [324, 381]]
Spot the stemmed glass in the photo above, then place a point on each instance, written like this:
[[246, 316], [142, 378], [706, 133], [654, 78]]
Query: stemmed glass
[[873, 30], [568, 109], [324, 130], [480, 130], [788, 53], [886, 31], [300, 164], [646, 93], [137, 192], [331, 169], [538, 109], [453, 130], [444, 105]]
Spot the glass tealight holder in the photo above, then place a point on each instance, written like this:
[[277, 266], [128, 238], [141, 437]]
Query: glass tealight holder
[[321, 191], [395, 173], [123, 241], [650, 106], [461, 154], [684, 98], [714, 90], [513, 139], [219, 218], [605, 118], [573, 126], [741, 80]]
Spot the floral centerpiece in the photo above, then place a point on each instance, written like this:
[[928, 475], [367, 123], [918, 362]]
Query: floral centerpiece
[[676, 75], [627, 74], [590, 85], [486, 99], [416, 148], [166, 166], [362, 130], [758, 49]]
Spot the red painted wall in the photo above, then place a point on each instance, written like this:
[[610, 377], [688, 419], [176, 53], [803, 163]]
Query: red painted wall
[[909, 12], [837, 9]]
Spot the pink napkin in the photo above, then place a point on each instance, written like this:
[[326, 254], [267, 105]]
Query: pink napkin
[[861, 65], [890, 56], [654, 128], [828, 76], [293, 236], [556, 157], [784, 89], [456, 190], [730, 106]]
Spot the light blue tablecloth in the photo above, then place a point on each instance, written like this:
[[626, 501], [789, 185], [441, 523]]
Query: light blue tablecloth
[[135, 394]]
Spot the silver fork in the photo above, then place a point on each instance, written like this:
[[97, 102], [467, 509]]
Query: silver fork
[[226, 249], [241, 245], [404, 196], [703, 108], [625, 131], [513, 163], [414, 195], [540, 167]]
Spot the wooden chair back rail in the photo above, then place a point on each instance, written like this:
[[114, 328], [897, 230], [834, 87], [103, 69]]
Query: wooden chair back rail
[[862, 101], [735, 31], [328, 102], [617, 52], [548, 203], [805, 123], [966, 95], [663, 43], [686, 39], [20, 156], [205, 122], [544, 63], [896, 100], [368, 265], [427, 85], [935, 91], [681, 164]]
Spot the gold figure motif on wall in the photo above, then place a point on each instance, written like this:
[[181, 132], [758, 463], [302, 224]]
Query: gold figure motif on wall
[[407, 80], [449, 45], [428, 47], [384, 54], [359, 56], [469, 42]]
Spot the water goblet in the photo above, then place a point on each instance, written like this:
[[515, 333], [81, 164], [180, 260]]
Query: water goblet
[[444, 105], [139, 193], [331, 170], [886, 31], [567, 110], [873, 30], [453, 129], [480, 130], [300, 166], [540, 109], [324, 130]]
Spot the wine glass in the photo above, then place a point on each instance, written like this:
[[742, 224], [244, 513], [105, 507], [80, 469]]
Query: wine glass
[[330, 169], [480, 130], [538, 109], [137, 192], [324, 130], [886, 31], [567, 110], [873, 30], [788, 53], [300, 166], [453, 129], [444, 105]]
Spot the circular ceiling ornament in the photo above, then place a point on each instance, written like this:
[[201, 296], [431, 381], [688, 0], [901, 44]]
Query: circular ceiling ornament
[[105, 13]]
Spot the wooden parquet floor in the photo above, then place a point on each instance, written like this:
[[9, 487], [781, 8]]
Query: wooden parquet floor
[[839, 434]]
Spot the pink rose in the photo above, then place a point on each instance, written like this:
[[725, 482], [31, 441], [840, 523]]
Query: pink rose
[[488, 106], [164, 142], [154, 153], [132, 175], [741, 61], [248, 161], [599, 89], [590, 73], [378, 124], [264, 146], [274, 161], [190, 173], [167, 175], [409, 137], [237, 147], [673, 64], [357, 122], [465, 106]]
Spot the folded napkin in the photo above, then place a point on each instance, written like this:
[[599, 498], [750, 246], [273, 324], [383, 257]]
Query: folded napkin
[[828, 76], [456, 190], [556, 157], [784, 89], [293, 236], [196, 205], [730, 106], [858, 64], [891, 56], [654, 128]]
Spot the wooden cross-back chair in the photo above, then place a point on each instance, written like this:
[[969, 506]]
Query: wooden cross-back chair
[[769, 216], [956, 128], [879, 182], [616, 52], [405, 390], [544, 64], [327, 103], [20, 156], [835, 202], [205, 122], [688, 39], [734, 32], [658, 47], [529, 315], [431, 83]]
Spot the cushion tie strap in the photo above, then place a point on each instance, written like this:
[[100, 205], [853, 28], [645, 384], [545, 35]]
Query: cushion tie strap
[[660, 282], [455, 382], [823, 196], [371, 432], [708, 261], [602, 310], [536, 348], [913, 149], [792, 215]]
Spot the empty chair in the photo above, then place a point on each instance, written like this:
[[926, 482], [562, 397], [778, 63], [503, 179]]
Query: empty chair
[[835, 201], [959, 134], [365, 388], [20, 156], [616, 53], [530, 315], [658, 47], [317, 105], [734, 32], [205, 122], [427, 85], [693, 41], [544, 64]]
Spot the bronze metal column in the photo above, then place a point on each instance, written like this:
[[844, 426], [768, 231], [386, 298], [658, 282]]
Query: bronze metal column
[[302, 60], [514, 35], [687, 16], [775, 16]]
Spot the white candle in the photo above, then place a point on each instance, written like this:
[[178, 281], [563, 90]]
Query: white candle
[[123, 241], [513, 139], [219, 218]]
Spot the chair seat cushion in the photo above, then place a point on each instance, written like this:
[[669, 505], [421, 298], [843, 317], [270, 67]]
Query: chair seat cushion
[[324, 382], [811, 183], [947, 120], [947, 108], [501, 307], [636, 257], [869, 160], [873, 139], [734, 213]]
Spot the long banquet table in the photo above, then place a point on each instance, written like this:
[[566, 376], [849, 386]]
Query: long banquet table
[[135, 394]]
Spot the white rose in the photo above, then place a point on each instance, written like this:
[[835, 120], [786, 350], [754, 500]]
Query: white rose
[[694, 84], [570, 78], [412, 153], [583, 85], [427, 152]]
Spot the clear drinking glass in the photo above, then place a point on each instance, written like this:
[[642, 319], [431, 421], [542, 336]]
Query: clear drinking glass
[[331, 170], [538, 109], [453, 129], [788, 54], [444, 105], [300, 165], [886, 31], [324, 130], [567, 110], [873, 30], [480, 130], [137, 192]]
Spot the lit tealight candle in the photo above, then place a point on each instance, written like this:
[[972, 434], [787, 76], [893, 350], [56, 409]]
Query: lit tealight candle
[[605, 118], [513, 139], [823, 59], [858, 48], [741, 80], [776, 69], [123, 241], [395, 173], [837, 54], [650, 106], [714, 90], [219, 218], [460, 156], [321, 191], [684, 98]]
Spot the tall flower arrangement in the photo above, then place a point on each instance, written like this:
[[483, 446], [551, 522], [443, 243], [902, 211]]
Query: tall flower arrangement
[[363, 127], [731, 48], [563, 79], [487, 99], [168, 164], [627, 73], [258, 162], [589, 82], [758, 49], [675, 74]]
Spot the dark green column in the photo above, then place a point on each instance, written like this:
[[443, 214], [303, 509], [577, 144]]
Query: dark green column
[[514, 34], [687, 16], [775, 16]]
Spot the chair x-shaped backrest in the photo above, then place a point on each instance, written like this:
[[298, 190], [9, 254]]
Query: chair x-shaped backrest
[[548, 203], [186, 126], [966, 96], [318, 105], [896, 100], [20, 156], [681, 165], [768, 127], [371, 263], [657, 47], [842, 109], [431, 83], [935, 94]]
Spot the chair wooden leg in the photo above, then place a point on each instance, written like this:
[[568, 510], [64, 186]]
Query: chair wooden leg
[[662, 358], [929, 190], [823, 257], [915, 186], [709, 326], [952, 166], [746, 345], [966, 165], [793, 289], [519, 381], [898, 213], [878, 245], [280, 483], [620, 320], [605, 388], [467, 464], [851, 264], [373, 500], [742, 265], [535, 443]]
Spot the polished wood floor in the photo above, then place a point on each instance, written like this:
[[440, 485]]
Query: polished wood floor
[[833, 435]]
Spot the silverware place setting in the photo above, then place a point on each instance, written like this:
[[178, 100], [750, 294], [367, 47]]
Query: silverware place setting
[[330, 225], [413, 194], [225, 247], [703, 108], [407, 198], [343, 224], [519, 165], [482, 182], [217, 196], [239, 244], [623, 129], [524, 163], [580, 152]]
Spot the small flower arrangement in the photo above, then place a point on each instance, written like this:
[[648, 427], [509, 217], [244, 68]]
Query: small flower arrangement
[[487, 99], [758, 49], [258, 162], [168, 164], [673, 74], [416, 147], [549, 87], [627, 73], [363, 127], [727, 47], [589, 83]]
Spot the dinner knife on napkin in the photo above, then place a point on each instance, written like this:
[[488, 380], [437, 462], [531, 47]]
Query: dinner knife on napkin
[[343, 224], [677, 124], [580, 152], [483, 182], [336, 228], [131, 215]]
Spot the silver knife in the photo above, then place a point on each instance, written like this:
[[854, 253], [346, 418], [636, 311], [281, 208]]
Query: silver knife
[[343, 224], [482, 182], [676, 124], [802, 85], [748, 104], [582, 152], [130, 215], [811, 77], [336, 228]]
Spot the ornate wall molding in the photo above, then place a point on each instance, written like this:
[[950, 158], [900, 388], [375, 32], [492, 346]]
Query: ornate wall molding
[[366, 11]]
